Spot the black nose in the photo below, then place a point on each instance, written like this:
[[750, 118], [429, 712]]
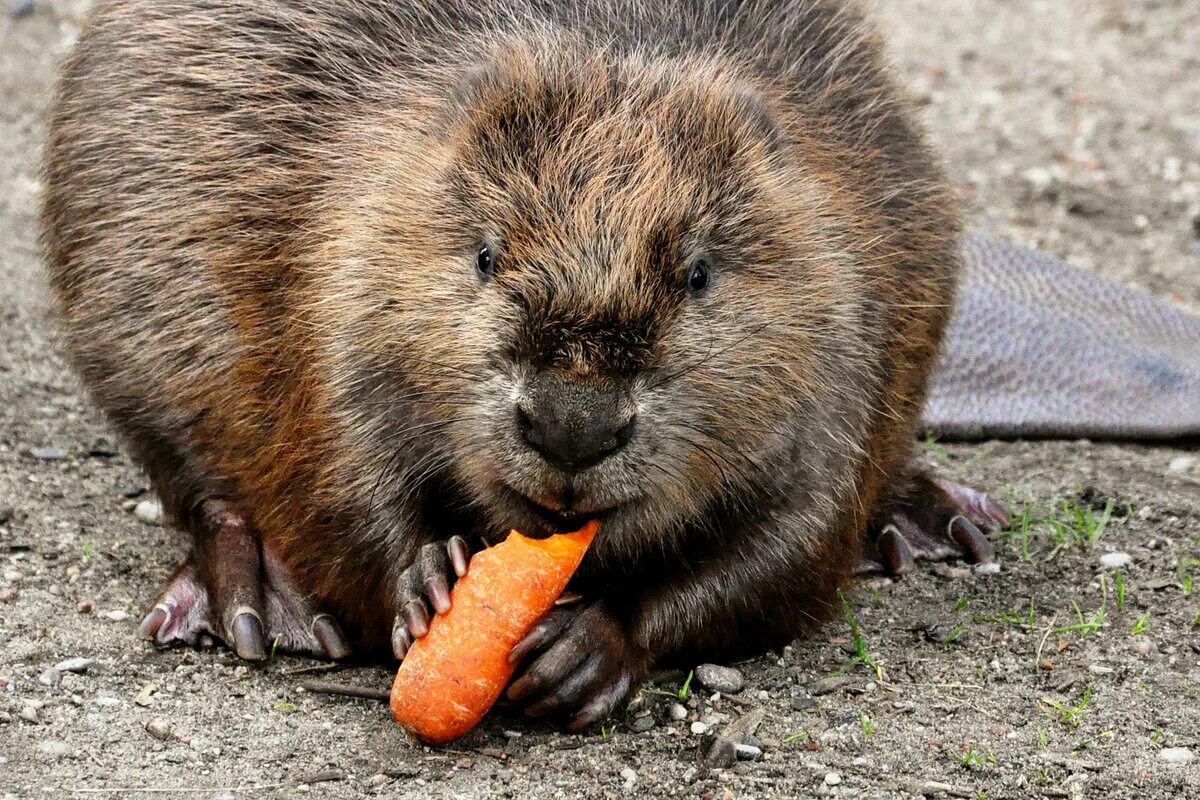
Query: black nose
[[574, 425]]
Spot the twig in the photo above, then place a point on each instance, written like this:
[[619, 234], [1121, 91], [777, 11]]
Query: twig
[[171, 790], [346, 690], [313, 668]]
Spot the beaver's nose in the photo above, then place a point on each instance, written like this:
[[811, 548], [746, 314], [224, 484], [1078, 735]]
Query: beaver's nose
[[574, 425]]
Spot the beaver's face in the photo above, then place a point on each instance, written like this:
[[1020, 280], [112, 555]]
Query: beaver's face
[[615, 293]]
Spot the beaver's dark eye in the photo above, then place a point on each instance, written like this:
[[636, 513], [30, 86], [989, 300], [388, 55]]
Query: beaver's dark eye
[[484, 264], [698, 277]]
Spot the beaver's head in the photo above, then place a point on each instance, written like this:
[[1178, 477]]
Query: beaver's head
[[589, 286]]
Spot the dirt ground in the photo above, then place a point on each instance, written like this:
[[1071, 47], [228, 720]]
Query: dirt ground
[[1070, 124]]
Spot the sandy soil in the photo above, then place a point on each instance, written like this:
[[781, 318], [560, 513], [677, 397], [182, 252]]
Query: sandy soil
[[1071, 124]]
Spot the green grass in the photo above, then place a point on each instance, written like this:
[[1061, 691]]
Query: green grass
[[937, 451], [1011, 616], [87, 550], [868, 727], [971, 757], [792, 737], [1186, 579], [1060, 523], [1086, 625], [1142, 625], [285, 706], [1042, 740], [1119, 583], [1071, 716], [861, 654], [681, 694]]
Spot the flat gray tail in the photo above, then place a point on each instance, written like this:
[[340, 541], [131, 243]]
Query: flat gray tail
[[1039, 348]]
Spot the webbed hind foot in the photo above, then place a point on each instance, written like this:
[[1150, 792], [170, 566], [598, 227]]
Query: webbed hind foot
[[933, 520], [236, 589]]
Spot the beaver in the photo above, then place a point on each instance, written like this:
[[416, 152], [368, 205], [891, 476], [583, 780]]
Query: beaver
[[364, 284]]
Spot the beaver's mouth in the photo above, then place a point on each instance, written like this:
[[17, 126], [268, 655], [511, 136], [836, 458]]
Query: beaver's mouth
[[553, 520]]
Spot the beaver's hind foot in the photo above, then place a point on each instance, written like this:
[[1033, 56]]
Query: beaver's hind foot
[[236, 589], [935, 520]]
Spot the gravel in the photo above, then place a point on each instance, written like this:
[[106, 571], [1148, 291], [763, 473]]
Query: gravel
[[726, 680], [1115, 560]]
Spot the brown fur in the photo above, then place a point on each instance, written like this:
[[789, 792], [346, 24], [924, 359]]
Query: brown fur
[[261, 219]]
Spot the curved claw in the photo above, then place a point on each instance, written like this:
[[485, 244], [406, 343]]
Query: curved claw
[[974, 544], [326, 631], [897, 553], [246, 634]]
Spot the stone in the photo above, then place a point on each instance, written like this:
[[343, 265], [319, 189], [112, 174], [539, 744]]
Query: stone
[[50, 677], [1182, 463], [160, 730], [76, 665], [29, 713], [832, 779], [48, 453], [149, 511], [628, 778], [726, 680], [53, 749], [747, 752], [1176, 755], [717, 752], [1115, 560], [116, 615], [678, 712], [642, 724]]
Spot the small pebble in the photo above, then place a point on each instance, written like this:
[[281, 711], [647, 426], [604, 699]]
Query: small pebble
[[629, 778], [50, 677], [832, 779], [642, 724], [988, 568], [160, 730], [678, 712], [149, 512], [1176, 755], [378, 780], [1182, 463], [54, 749], [6, 514], [229, 795], [8, 595], [5, 718], [29, 713], [77, 665], [83, 607], [1115, 560], [726, 680], [718, 752], [48, 453], [12, 575], [116, 616], [747, 752], [699, 728], [1142, 646]]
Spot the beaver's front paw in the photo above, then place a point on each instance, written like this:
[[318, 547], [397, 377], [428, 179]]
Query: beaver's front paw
[[579, 662], [424, 590]]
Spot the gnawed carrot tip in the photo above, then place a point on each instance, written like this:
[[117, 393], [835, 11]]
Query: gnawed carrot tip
[[452, 676]]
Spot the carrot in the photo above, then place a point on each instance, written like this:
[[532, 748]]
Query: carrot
[[452, 676]]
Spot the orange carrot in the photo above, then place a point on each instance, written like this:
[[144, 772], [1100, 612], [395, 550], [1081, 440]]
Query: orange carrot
[[452, 676]]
